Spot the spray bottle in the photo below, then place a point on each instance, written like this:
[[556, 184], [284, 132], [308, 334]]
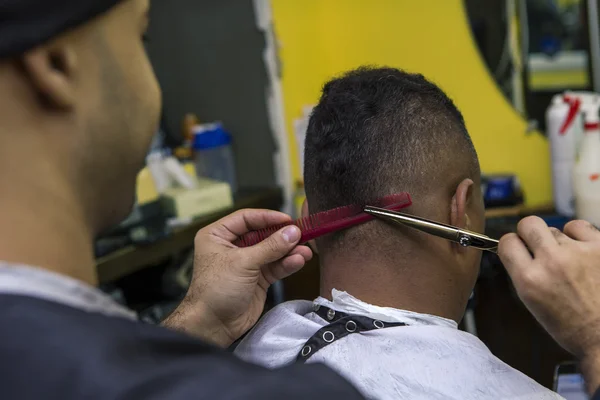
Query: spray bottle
[[586, 173], [564, 122]]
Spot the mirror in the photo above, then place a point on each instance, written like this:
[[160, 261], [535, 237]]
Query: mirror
[[555, 41], [537, 48]]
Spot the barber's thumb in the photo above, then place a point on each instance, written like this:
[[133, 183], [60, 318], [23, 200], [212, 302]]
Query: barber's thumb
[[275, 247]]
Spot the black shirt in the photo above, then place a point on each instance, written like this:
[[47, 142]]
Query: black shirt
[[52, 351]]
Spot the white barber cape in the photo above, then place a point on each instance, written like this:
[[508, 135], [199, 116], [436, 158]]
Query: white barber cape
[[429, 358]]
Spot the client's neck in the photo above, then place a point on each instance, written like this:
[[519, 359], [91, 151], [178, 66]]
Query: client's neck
[[418, 283]]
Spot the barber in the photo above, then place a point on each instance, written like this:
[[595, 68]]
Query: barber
[[557, 276], [79, 105]]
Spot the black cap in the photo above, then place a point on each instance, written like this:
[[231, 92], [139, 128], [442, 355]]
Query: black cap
[[25, 24]]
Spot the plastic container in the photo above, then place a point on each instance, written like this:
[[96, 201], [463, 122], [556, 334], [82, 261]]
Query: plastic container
[[586, 173], [213, 154]]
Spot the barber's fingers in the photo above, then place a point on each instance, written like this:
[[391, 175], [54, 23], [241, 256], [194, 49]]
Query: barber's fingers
[[287, 266], [560, 237], [582, 230], [305, 251], [535, 234], [243, 221], [514, 254], [272, 249]]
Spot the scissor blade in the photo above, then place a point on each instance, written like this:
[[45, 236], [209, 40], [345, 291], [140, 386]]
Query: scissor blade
[[422, 224], [463, 237]]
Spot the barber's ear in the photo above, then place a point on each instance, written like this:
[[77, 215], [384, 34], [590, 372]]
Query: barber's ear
[[51, 70], [460, 200], [305, 213]]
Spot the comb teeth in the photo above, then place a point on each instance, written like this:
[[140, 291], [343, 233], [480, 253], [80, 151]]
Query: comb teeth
[[330, 221]]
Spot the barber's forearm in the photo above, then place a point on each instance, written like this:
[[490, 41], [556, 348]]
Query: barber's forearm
[[198, 323]]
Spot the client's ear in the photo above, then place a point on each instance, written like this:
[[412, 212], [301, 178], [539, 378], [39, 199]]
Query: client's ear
[[305, 213], [460, 200]]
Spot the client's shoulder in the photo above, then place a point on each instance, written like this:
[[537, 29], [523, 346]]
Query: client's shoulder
[[416, 361], [280, 334]]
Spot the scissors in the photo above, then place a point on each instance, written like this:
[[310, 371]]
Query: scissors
[[461, 236]]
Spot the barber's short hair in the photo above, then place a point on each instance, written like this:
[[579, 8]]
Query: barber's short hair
[[378, 131]]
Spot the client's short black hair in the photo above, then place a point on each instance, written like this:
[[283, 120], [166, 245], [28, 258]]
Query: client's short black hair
[[378, 131]]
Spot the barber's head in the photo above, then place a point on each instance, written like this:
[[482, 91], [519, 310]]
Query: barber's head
[[80, 103], [379, 131]]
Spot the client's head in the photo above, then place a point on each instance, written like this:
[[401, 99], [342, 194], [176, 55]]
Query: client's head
[[379, 131]]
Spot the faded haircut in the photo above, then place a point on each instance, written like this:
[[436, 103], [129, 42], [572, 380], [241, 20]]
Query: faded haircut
[[378, 131]]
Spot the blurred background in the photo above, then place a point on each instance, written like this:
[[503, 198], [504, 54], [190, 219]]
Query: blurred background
[[240, 77]]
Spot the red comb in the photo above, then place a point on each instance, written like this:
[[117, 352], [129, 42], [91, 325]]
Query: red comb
[[330, 221]]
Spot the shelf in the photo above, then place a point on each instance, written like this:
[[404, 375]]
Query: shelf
[[131, 259], [518, 211]]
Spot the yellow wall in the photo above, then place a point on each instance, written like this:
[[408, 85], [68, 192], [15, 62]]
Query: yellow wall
[[322, 38]]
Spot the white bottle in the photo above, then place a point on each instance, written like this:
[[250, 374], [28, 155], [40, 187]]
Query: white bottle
[[564, 124], [586, 173]]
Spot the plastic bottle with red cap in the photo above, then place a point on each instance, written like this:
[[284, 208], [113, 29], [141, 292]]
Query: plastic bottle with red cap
[[564, 128], [586, 173]]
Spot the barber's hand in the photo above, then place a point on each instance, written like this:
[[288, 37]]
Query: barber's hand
[[229, 284], [559, 282]]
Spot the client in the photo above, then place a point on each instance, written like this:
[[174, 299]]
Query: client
[[391, 296]]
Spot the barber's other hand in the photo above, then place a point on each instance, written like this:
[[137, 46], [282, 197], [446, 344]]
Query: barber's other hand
[[559, 282], [229, 284]]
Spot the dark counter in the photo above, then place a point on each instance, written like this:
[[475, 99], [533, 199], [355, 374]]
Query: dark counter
[[131, 259]]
